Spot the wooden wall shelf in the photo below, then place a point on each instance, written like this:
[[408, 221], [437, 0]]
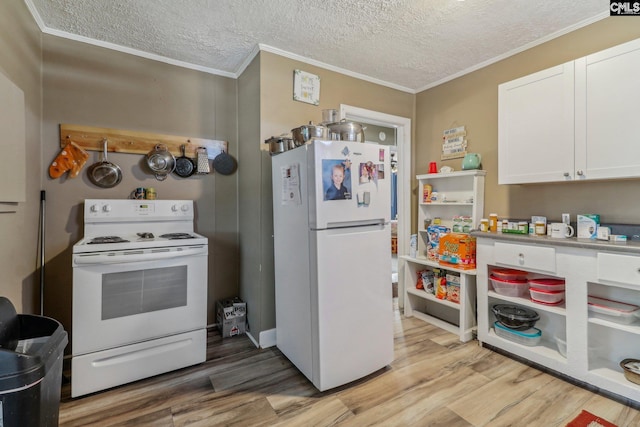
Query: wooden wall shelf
[[124, 141]]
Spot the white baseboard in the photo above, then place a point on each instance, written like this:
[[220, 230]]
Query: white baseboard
[[268, 338]]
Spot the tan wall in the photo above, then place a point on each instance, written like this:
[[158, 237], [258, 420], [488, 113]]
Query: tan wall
[[20, 62], [249, 186], [279, 113], [92, 86], [472, 101]]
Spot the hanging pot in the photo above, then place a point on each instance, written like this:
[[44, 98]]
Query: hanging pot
[[161, 162], [346, 131], [185, 167], [104, 173]]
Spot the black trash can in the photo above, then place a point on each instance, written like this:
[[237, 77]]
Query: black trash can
[[31, 351]]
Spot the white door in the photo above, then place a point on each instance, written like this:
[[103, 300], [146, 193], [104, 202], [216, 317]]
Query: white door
[[354, 326], [607, 93], [535, 127], [351, 186]]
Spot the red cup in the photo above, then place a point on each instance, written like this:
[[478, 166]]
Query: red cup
[[433, 168]]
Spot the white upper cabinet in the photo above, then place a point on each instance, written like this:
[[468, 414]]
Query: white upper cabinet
[[535, 127], [574, 121], [607, 97]]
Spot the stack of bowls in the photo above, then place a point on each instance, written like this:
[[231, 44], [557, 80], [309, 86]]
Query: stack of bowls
[[547, 291], [517, 324], [509, 282]]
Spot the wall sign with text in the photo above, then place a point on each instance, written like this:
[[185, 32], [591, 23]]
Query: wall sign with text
[[306, 87]]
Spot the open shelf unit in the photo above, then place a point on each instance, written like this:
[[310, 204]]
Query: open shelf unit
[[459, 194], [594, 346]]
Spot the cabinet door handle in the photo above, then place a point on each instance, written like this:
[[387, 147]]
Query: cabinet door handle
[[566, 174], [579, 172]]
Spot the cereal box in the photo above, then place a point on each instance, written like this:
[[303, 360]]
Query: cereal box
[[434, 233], [457, 250]]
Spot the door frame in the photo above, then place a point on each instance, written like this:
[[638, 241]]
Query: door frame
[[403, 144]]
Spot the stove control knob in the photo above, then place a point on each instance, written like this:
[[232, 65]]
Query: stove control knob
[[174, 208], [106, 208], [185, 208], [94, 208]]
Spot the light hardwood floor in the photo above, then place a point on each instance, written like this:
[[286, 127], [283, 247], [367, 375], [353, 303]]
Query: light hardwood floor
[[434, 381]]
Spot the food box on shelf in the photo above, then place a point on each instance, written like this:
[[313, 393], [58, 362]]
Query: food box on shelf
[[529, 337], [453, 288], [434, 233], [457, 250], [547, 284], [541, 296], [231, 316], [614, 311], [510, 288]]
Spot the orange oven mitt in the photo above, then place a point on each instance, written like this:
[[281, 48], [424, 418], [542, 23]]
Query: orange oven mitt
[[71, 158]]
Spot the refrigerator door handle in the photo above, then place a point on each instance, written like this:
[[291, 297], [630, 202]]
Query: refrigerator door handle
[[362, 223]]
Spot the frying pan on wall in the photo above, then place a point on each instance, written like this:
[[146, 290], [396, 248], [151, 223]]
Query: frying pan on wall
[[104, 173], [185, 167]]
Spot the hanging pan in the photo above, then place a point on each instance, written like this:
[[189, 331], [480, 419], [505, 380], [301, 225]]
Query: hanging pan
[[184, 165], [104, 173], [225, 164]]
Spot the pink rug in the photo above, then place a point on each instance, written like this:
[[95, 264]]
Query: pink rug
[[587, 419]]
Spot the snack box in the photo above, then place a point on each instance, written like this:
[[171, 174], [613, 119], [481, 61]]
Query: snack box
[[434, 233], [457, 250]]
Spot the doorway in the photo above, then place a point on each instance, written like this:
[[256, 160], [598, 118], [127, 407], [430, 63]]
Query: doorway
[[402, 128]]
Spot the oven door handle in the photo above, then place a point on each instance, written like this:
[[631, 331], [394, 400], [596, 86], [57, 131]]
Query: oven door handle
[[136, 256]]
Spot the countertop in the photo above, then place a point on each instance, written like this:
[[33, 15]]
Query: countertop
[[631, 246]]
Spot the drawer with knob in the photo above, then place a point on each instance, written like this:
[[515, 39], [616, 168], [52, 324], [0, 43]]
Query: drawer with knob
[[530, 257], [619, 268]]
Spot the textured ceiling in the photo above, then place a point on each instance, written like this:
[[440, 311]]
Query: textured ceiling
[[407, 44]]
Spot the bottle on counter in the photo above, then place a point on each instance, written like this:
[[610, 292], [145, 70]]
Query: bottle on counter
[[150, 193], [493, 222]]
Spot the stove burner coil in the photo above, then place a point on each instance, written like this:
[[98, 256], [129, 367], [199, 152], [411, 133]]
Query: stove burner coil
[[106, 239], [176, 236]]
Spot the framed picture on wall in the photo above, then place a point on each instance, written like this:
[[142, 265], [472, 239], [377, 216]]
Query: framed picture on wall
[[306, 87]]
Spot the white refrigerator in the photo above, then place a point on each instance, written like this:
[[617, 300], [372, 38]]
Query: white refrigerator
[[332, 239]]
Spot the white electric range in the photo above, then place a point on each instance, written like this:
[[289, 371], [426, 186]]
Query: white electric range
[[139, 292]]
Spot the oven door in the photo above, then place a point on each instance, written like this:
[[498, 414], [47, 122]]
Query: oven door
[[128, 299]]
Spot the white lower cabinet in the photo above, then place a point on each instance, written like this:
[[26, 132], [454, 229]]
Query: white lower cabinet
[[456, 317], [594, 346]]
